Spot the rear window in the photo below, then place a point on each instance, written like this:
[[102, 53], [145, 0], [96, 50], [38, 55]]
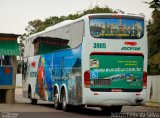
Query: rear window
[[117, 28]]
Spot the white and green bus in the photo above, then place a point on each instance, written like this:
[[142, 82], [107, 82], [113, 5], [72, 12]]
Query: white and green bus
[[96, 60]]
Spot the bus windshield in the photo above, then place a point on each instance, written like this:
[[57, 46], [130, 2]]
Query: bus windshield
[[117, 28]]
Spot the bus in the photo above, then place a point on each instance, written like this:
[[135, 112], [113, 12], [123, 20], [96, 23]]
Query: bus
[[97, 60]]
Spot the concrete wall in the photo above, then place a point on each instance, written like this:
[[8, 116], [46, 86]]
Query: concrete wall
[[19, 80], [153, 88]]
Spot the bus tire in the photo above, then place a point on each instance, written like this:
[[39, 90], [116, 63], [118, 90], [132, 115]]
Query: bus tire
[[65, 106], [57, 104], [110, 109], [32, 101]]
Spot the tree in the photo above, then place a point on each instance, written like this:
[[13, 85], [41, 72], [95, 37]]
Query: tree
[[154, 4], [154, 39]]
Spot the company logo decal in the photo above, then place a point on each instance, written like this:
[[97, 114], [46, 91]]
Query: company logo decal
[[130, 48], [33, 64], [130, 43], [99, 45]]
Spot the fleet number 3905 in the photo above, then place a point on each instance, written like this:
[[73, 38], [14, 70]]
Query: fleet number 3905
[[99, 45]]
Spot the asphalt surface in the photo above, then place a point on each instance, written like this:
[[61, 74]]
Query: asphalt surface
[[23, 109]]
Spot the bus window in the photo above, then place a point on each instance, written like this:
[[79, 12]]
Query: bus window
[[74, 33], [117, 28], [43, 45], [31, 50], [67, 34], [58, 33], [36, 47], [77, 33]]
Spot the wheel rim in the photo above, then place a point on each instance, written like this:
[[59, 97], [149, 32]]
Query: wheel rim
[[56, 100], [30, 100], [64, 102], [30, 97]]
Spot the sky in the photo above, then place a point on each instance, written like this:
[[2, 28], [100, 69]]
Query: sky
[[15, 14]]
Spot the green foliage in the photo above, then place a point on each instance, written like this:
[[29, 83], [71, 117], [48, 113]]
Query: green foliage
[[97, 9], [154, 39], [154, 4]]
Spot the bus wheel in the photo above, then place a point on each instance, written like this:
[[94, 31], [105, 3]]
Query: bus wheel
[[65, 106], [110, 109], [32, 101], [56, 102]]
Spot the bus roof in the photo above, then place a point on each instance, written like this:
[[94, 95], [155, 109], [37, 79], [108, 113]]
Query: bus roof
[[67, 22]]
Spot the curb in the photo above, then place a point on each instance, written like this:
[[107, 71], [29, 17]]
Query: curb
[[153, 104]]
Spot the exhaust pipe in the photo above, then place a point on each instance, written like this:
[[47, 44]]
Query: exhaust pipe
[[138, 100]]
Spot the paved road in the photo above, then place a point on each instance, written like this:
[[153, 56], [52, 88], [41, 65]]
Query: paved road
[[23, 109]]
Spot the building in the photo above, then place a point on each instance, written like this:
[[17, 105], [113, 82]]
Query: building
[[9, 49]]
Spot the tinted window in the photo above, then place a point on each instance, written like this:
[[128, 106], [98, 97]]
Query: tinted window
[[69, 36]]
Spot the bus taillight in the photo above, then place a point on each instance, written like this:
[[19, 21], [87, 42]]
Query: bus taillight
[[87, 78], [145, 80]]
